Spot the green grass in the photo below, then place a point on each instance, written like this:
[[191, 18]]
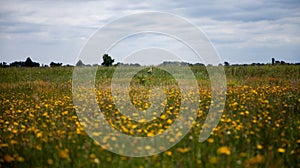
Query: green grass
[[259, 127]]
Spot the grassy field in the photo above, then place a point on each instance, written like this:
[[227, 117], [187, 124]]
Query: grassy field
[[259, 127]]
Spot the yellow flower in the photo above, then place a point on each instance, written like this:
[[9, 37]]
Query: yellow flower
[[210, 140], [169, 153], [123, 158], [147, 147], [224, 150], [134, 126], [247, 112], [183, 150], [38, 147], [96, 160], [92, 156], [259, 146], [213, 160], [8, 158], [50, 161], [3, 145], [172, 140], [142, 120], [169, 121], [20, 159], [64, 154], [39, 134], [124, 129], [65, 113], [96, 133], [281, 150], [256, 159], [163, 117]]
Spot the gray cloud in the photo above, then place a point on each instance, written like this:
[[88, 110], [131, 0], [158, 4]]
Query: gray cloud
[[242, 31]]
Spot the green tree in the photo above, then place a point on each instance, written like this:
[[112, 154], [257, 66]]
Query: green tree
[[79, 63], [28, 62], [107, 60], [226, 63]]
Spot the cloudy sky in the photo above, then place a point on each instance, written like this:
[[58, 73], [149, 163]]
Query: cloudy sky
[[240, 31]]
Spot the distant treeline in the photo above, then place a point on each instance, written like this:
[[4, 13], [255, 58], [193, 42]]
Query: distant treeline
[[29, 63], [273, 62]]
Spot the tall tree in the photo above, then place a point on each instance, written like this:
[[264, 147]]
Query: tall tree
[[273, 61], [226, 63], [107, 60], [53, 64], [79, 63], [28, 62]]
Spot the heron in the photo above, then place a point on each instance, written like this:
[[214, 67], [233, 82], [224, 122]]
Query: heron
[[150, 70]]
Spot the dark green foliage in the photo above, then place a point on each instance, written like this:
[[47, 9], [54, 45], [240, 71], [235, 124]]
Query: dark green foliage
[[79, 63], [107, 60]]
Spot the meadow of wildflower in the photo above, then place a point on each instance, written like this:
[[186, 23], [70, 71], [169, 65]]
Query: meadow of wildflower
[[259, 127]]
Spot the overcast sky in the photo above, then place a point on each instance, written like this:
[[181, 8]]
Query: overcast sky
[[241, 31]]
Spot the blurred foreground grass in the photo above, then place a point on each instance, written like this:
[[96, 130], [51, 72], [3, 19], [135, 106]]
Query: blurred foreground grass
[[259, 127]]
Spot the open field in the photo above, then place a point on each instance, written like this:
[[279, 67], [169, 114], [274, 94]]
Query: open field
[[259, 127]]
